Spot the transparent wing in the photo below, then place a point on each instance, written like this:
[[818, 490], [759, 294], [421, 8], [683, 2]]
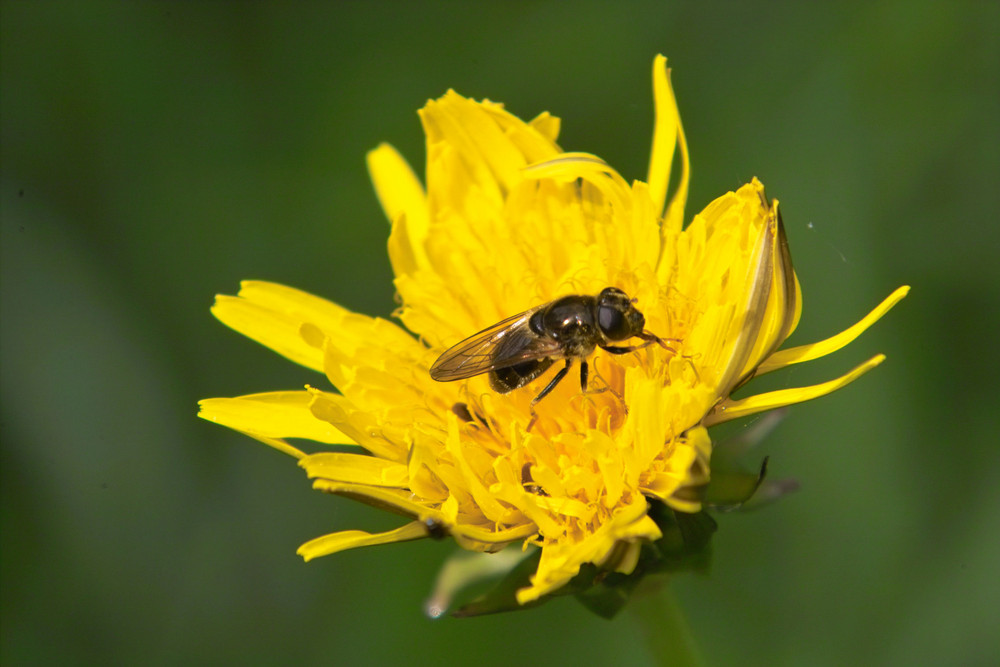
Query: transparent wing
[[506, 343]]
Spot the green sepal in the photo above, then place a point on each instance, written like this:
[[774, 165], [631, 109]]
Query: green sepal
[[730, 489], [503, 596], [685, 546], [608, 594], [733, 489], [686, 541], [732, 485]]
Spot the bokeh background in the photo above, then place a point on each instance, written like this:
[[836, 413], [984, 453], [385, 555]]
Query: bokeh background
[[156, 153]]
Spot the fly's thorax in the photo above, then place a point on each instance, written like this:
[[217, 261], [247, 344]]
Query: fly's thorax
[[570, 321], [579, 347], [568, 317]]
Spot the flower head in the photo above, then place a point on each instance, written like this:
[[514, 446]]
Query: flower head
[[509, 222]]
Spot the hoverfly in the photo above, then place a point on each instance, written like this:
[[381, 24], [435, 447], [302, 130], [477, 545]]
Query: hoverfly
[[518, 349]]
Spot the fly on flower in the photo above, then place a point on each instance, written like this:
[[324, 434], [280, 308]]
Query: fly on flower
[[518, 349], [608, 495]]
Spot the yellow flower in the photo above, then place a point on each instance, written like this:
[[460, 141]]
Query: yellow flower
[[509, 222]]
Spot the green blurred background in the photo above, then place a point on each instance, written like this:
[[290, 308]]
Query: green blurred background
[[154, 154]]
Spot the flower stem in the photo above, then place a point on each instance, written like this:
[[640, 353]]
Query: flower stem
[[667, 632]]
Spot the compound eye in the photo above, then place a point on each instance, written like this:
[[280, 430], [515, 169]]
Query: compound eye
[[611, 319]]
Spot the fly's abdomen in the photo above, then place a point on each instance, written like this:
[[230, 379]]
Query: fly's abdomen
[[504, 380]]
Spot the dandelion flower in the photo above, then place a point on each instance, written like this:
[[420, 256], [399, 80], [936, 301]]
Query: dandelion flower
[[508, 221]]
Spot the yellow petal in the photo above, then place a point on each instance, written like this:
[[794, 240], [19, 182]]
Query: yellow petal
[[400, 501], [356, 469], [423, 466], [569, 167], [774, 303], [374, 362], [535, 141], [567, 507], [359, 425], [406, 255], [397, 187], [477, 537], [561, 561], [547, 125], [729, 409], [468, 150], [352, 539], [628, 558], [509, 489], [668, 134], [402, 197], [795, 355], [279, 414], [273, 314], [736, 266], [473, 478]]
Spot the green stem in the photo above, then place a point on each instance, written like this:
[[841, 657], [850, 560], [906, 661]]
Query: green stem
[[667, 632]]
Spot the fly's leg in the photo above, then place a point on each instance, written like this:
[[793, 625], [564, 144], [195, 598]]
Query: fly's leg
[[548, 389], [648, 337], [607, 387], [586, 392]]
